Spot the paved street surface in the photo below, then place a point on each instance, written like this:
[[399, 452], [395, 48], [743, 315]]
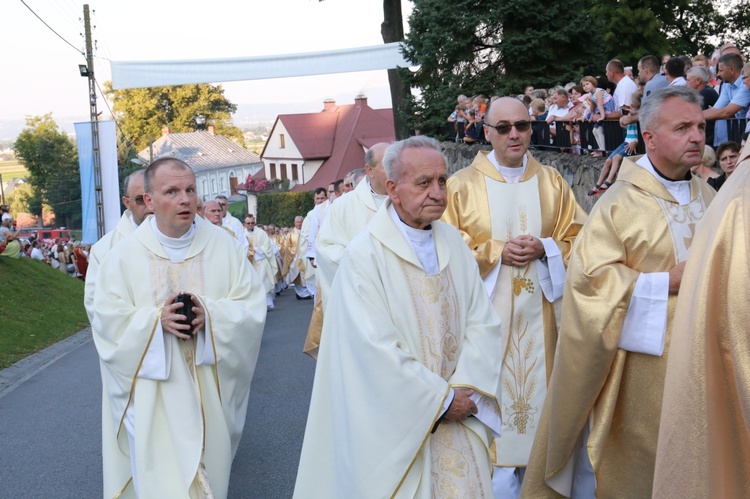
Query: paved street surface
[[50, 424]]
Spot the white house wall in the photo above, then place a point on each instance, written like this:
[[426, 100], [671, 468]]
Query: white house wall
[[274, 153], [213, 179]]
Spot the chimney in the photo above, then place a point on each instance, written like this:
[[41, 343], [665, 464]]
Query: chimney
[[212, 129], [329, 105], [165, 131], [360, 100]]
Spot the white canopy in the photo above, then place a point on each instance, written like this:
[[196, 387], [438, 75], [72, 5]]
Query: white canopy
[[137, 74]]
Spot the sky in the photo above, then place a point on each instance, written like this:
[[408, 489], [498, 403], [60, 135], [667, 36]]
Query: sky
[[40, 70]]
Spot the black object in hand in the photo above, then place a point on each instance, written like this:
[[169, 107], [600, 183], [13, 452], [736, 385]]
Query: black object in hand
[[187, 310]]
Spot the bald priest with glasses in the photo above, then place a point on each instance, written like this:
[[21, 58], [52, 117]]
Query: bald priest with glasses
[[520, 219]]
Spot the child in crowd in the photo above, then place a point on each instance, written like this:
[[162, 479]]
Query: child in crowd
[[602, 103], [538, 110], [627, 148]]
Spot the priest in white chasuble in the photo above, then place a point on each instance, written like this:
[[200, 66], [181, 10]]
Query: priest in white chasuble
[[177, 392], [600, 422], [264, 259], [406, 395], [520, 219], [704, 439], [348, 216], [134, 215]]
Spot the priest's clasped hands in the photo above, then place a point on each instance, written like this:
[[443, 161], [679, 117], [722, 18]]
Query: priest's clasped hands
[[170, 320], [522, 250], [462, 406]]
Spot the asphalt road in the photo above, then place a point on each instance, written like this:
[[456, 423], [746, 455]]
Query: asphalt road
[[50, 425]]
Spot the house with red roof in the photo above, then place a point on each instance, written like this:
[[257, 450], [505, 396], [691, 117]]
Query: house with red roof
[[314, 149]]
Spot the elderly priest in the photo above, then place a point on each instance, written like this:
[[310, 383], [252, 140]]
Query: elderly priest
[[407, 390]]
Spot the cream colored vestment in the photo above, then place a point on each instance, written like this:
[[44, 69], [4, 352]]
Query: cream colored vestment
[[395, 341], [193, 417]]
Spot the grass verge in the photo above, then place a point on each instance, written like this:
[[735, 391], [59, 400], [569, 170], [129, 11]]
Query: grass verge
[[39, 306]]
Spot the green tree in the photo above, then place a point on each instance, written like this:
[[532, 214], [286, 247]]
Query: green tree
[[25, 199], [495, 48], [52, 161], [143, 112]]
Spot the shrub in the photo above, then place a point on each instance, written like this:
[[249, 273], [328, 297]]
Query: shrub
[[280, 208]]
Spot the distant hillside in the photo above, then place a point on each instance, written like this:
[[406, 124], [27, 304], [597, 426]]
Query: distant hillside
[[39, 306]]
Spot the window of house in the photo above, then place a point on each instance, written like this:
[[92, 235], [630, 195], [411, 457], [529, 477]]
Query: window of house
[[213, 185], [282, 145], [295, 172], [273, 171], [204, 187], [284, 175], [223, 184]]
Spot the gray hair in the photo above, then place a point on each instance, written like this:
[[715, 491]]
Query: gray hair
[[391, 164], [699, 72], [357, 175], [651, 109], [126, 182]]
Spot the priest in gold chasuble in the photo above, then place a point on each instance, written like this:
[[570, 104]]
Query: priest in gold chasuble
[[600, 422], [704, 439], [407, 390], [520, 219]]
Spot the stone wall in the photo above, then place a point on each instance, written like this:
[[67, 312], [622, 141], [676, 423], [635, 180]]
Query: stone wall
[[581, 172]]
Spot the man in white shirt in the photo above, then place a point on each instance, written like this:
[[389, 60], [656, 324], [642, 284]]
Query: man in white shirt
[[625, 87], [560, 108], [675, 71]]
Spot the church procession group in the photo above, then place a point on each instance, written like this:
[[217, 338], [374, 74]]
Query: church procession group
[[442, 368]]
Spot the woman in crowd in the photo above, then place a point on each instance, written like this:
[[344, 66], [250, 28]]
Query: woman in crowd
[[705, 169]]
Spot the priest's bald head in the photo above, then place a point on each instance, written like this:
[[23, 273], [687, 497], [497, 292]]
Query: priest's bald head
[[416, 177], [171, 195]]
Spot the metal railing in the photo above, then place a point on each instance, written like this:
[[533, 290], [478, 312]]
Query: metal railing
[[612, 134]]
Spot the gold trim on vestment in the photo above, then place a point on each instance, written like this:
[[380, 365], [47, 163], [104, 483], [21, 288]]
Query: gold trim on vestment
[[122, 490], [135, 375], [424, 441]]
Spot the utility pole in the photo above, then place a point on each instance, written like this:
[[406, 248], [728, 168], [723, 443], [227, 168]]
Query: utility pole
[[94, 125]]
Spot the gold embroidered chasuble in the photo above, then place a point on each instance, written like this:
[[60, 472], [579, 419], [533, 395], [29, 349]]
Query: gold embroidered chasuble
[[394, 342], [488, 212], [636, 227], [704, 439], [197, 412], [267, 267]]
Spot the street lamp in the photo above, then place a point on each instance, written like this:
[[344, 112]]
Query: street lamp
[[84, 70]]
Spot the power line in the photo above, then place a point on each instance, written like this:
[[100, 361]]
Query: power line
[[50, 27], [114, 118]]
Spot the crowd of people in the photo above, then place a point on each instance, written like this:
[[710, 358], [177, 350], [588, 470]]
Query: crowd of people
[[582, 110], [69, 257]]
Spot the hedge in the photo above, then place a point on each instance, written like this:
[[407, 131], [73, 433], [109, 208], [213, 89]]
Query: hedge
[[280, 208]]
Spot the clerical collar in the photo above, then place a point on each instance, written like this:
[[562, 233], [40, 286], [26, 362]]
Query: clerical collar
[[679, 189], [688, 175], [175, 247], [378, 198], [421, 241], [506, 171]]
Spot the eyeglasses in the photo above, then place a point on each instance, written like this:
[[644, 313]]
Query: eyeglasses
[[138, 200], [222, 204], [503, 128]]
